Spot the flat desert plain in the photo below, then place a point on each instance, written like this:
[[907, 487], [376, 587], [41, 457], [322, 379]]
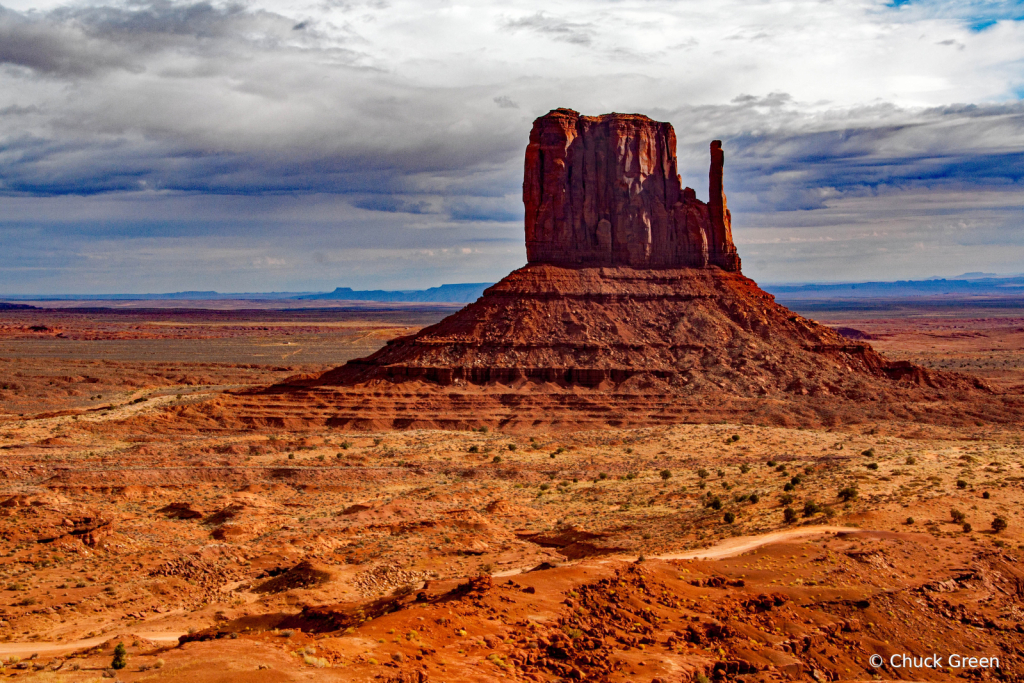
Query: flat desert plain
[[286, 552]]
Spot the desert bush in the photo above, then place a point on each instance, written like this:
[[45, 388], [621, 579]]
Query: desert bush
[[771, 463], [474, 449], [986, 495], [665, 474], [872, 465], [735, 437], [967, 527], [753, 497], [744, 468], [512, 447], [999, 524], [848, 493], [789, 486], [961, 484], [702, 473], [797, 480], [496, 459], [715, 503], [785, 499], [318, 662], [869, 452], [911, 460], [957, 516], [120, 660], [789, 515], [811, 508], [602, 475], [729, 517], [910, 520]]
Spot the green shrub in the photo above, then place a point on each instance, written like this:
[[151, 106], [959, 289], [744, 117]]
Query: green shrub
[[961, 484], [729, 517], [744, 468], [957, 516], [848, 493], [789, 515], [120, 660], [869, 452], [811, 508], [999, 524], [789, 486], [910, 520], [496, 459], [702, 473], [872, 465], [967, 527], [512, 447], [753, 497], [785, 499], [911, 460], [665, 474], [715, 503]]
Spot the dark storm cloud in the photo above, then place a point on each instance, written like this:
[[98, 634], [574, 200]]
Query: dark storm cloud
[[54, 47]]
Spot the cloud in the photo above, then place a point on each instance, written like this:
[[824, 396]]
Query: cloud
[[413, 116], [555, 27]]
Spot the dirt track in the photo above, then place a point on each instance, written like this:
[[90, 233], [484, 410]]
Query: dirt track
[[28, 649]]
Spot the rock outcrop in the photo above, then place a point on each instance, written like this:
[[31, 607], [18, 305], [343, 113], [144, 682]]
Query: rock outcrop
[[605, 191], [632, 310]]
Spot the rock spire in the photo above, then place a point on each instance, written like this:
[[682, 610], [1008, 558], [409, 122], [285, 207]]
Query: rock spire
[[605, 191]]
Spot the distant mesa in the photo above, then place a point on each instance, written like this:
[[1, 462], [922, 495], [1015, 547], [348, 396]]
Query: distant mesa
[[460, 293], [631, 310]]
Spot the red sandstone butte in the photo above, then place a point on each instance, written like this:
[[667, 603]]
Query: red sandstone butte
[[605, 191]]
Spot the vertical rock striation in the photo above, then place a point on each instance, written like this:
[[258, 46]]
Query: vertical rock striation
[[605, 191]]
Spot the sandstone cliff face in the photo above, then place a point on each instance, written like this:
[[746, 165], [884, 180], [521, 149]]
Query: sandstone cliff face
[[604, 190]]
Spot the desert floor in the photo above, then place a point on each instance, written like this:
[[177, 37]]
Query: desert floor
[[651, 554]]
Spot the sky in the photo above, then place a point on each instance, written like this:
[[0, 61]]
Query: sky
[[157, 146]]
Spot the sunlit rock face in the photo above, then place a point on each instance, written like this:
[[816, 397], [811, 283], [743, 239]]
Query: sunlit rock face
[[605, 191]]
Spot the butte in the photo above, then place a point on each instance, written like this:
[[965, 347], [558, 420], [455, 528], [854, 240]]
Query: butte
[[631, 310]]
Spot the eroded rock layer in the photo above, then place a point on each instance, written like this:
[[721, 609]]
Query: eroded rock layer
[[605, 190], [684, 330]]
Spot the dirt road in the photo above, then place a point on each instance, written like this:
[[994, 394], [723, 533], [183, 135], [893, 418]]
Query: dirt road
[[43, 647]]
